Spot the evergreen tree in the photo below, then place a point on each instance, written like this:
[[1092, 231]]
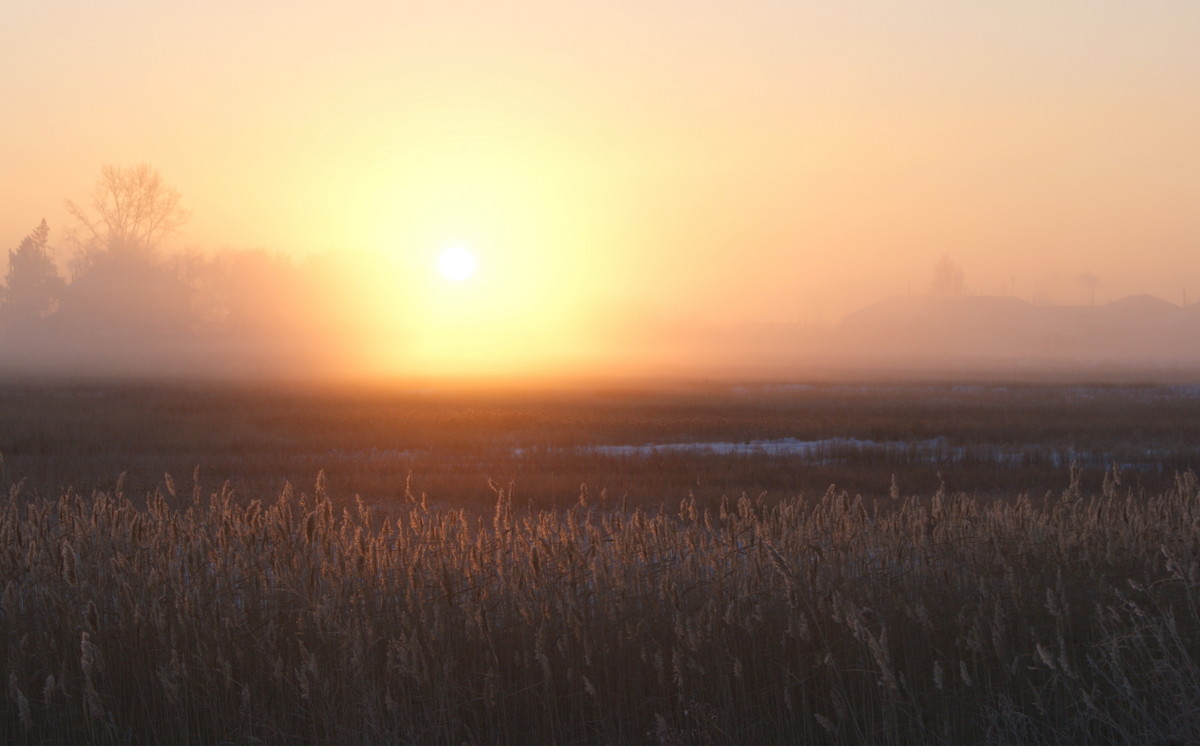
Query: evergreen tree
[[32, 286]]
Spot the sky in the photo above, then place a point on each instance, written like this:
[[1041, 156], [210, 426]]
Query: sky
[[620, 165]]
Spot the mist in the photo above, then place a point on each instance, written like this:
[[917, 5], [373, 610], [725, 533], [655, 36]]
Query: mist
[[229, 314], [126, 305], [680, 190]]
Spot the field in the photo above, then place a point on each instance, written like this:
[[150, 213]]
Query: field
[[916, 563], [989, 440]]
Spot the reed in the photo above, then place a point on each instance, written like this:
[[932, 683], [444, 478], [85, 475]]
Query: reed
[[940, 618]]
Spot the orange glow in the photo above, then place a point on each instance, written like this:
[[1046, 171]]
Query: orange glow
[[627, 178]]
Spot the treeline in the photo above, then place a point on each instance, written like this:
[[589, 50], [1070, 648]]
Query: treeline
[[123, 304]]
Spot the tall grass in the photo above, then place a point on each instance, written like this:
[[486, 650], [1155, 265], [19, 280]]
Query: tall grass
[[830, 619]]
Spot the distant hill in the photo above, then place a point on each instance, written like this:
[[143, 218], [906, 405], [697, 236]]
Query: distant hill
[[1138, 329], [936, 336]]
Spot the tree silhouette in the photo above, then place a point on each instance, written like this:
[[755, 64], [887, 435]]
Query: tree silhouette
[[32, 286], [119, 286], [131, 211], [947, 278]]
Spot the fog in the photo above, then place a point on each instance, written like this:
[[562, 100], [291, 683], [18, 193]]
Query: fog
[[668, 189], [228, 314], [124, 306], [943, 337]]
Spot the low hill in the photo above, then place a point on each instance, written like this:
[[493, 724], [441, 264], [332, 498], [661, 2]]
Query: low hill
[[1135, 329]]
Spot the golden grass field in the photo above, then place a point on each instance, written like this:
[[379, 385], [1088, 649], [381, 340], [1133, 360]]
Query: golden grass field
[[184, 612]]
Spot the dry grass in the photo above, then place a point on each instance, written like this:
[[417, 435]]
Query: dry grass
[[942, 619]]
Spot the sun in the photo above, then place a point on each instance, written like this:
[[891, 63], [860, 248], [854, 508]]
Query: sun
[[456, 263]]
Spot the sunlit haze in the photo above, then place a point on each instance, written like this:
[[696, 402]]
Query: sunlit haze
[[456, 264], [537, 187]]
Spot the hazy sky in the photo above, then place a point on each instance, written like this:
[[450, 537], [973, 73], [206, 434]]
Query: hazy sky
[[704, 159]]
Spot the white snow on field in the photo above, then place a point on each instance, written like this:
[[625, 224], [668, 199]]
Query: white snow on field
[[843, 450], [821, 452], [814, 451]]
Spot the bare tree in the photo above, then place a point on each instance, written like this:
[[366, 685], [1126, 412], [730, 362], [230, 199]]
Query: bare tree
[[131, 210], [119, 284], [947, 278]]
